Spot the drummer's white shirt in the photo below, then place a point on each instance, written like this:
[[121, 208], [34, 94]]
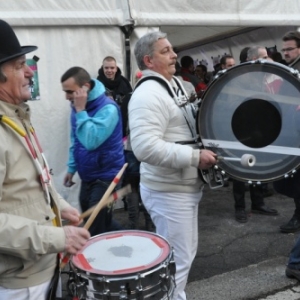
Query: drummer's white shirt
[[157, 125]]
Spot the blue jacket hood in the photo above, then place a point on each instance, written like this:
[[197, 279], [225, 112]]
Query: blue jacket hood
[[96, 91]]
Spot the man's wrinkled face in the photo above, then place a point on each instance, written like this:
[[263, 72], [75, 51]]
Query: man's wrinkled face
[[16, 89], [290, 51], [110, 69], [163, 59]]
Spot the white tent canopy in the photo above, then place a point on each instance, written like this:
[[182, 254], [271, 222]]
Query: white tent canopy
[[192, 21], [83, 32]]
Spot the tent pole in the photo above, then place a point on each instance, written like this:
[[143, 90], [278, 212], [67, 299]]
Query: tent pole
[[127, 30]]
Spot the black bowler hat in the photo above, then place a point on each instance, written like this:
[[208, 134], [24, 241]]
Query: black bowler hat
[[9, 44]]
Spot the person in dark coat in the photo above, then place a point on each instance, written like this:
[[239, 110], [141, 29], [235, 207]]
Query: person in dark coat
[[290, 187], [117, 86]]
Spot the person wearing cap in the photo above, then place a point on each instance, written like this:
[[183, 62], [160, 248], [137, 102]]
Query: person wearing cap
[[30, 208], [96, 152]]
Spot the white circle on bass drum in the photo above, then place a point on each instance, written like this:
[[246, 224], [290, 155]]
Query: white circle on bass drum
[[253, 108]]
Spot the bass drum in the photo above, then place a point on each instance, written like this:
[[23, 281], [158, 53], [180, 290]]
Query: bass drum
[[252, 112]]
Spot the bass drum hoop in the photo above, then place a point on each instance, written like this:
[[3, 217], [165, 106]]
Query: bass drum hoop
[[244, 94]]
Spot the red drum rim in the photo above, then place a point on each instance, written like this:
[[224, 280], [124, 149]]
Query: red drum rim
[[85, 261]]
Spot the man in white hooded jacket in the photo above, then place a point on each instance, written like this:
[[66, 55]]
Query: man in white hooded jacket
[[162, 140]]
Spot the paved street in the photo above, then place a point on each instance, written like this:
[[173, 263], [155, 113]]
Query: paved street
[[241, 261]]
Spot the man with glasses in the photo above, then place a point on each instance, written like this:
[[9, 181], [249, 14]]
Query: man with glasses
[[291, 49], [290, 187]]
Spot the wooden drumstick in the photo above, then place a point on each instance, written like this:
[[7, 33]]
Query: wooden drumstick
[[119, 194], [102, 203]]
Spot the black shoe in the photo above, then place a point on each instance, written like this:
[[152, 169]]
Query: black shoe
[[265, 210], [292, 273], [292, 226], [241, 216]]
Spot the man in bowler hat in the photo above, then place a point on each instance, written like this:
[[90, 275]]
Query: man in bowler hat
[[30, 208]]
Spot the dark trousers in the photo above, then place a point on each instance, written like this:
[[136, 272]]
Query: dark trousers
[[134, 203], [90, 195], [290, 187], [294, 259], [239, 189]]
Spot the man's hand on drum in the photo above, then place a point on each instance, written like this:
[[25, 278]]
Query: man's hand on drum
[[76, 238], [207, 159]]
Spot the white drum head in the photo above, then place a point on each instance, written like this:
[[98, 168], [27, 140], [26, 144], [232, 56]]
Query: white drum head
[[122, 252]]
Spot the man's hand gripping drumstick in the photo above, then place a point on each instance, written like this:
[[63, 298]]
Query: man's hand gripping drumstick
[[207, 159], [102, 203]]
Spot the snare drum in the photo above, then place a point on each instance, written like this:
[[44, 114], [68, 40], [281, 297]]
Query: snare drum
[[129, 264], [253, 109]]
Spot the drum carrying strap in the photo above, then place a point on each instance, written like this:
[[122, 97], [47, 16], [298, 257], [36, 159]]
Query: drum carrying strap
[[51, 292], [188, 110]]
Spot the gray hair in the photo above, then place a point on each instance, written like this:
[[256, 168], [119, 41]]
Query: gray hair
[[145, 46], [253, 52]]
